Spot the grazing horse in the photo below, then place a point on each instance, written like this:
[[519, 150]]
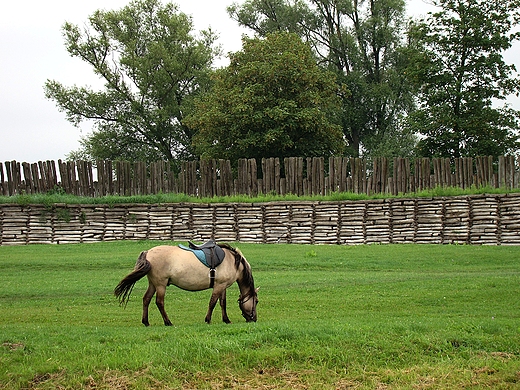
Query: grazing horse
[[165, 265]]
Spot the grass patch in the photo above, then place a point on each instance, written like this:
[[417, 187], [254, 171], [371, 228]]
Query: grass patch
[[381, 316], [54, 197]]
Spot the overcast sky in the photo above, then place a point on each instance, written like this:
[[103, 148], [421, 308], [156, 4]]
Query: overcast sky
[[32, 51]]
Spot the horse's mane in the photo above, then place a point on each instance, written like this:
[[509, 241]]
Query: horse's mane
[[247, 275]]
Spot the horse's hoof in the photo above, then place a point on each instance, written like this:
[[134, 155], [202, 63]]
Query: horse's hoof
[[168, 323]]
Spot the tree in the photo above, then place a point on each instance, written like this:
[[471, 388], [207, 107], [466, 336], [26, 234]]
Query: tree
[[271, 101], [464, 76], [361, 41], [152, 66]]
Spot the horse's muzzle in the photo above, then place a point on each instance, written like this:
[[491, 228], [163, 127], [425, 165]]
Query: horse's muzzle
[[250, 317]]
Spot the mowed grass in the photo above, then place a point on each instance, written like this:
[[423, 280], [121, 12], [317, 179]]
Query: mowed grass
[[329, 317]]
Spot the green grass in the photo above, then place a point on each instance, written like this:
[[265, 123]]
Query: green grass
[[54, 197], [381, 316]]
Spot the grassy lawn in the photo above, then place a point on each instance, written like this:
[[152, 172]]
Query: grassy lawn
[[329, 317]]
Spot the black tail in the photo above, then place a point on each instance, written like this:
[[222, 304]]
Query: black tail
[[125, 286]]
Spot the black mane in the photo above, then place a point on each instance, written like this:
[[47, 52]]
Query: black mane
[[247, 276]]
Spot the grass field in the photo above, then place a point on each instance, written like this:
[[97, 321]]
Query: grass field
[[329, 317]]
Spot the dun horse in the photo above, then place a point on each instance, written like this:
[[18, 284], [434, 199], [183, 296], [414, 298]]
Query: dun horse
[[166, 265]]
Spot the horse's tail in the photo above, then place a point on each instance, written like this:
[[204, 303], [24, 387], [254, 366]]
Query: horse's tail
[[125, 286]]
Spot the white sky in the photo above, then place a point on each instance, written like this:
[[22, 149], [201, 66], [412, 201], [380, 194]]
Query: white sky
[[32, 51]]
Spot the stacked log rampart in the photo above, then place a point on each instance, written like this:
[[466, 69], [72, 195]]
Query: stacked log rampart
[[478, 219]]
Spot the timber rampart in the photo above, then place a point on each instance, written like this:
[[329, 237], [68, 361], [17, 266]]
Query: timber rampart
[[478, 219]]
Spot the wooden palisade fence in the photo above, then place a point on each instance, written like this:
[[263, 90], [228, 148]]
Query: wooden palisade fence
[[298, 175]]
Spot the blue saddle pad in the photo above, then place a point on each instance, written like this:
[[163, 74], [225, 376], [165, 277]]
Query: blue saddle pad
[[197, 252]]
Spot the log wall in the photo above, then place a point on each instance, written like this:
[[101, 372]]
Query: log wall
[[479, 219], [295, 175]]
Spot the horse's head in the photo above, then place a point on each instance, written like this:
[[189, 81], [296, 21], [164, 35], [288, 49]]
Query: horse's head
[[248, 293], [248, 304]]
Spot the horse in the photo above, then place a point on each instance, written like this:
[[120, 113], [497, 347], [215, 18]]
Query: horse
[[166, 265]]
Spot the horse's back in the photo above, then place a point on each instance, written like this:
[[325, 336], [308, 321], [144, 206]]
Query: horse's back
[[169, 259], [171, 254], [180, 267]]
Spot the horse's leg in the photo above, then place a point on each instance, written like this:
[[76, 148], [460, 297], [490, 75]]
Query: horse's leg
[[212, 302], [159, 301], [148, 295], [222, 300]]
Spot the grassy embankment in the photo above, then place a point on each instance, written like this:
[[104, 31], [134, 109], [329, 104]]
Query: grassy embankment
[[54, 197]]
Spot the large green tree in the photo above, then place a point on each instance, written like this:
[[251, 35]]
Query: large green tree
[[363, 43], [152, 65], [464, 79], [271, 101]]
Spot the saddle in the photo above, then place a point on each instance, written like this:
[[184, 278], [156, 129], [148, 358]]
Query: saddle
[[209, 254]]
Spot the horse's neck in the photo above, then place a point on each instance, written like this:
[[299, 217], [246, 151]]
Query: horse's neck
[[245, 289], [243, 286]]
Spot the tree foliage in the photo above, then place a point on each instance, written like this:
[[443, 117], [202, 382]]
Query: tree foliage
[[271, 101], [464, 77], [362, 43], [152, 65]]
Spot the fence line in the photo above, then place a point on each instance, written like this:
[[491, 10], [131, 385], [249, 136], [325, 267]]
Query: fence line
[[296, 175], [478, 219]]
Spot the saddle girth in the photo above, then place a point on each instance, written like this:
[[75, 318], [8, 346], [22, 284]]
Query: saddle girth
[[214, 256]]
